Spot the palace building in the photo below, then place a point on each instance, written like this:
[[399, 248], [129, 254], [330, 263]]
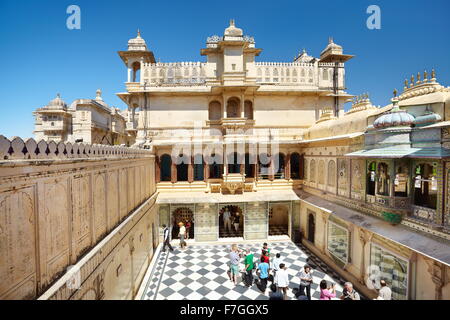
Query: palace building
[[268, 144]]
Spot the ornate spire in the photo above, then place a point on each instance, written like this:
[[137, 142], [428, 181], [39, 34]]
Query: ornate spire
[[330, 40], [98, 95], [138, 33], [231, 22]]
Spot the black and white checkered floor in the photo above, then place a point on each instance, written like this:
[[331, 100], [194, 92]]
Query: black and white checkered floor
[[200, 272]]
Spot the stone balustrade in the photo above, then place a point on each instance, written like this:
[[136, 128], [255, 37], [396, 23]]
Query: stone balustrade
[[16, 148], [173, 73]]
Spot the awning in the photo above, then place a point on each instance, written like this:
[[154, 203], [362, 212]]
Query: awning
[[397, 153]]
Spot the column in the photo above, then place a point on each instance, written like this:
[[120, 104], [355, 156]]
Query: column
[[129, 74], [191, 170], [205, 171], [242, 106], [158, 169], [271, 169], [287, 167], [173, 172]]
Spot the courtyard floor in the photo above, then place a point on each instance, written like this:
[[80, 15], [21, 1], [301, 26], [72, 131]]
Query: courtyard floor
[[200, 272]]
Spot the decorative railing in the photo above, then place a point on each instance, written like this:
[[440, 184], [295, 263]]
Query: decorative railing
[[292, 73], [16, 149], [177, 73]]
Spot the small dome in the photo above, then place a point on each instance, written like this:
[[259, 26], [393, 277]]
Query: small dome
[[395, 118], [137, 44], [233, 31], [57, 103]]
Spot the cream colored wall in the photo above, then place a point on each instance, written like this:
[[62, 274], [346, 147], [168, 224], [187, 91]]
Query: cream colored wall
[[53, 214], [421, 285]]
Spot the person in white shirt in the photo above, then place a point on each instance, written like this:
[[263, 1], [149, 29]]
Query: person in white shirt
[[227, 220], [182, 235], [385, 292], [281, 279], [275, 263]]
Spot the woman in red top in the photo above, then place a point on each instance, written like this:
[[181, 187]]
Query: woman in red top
[[265, 256]]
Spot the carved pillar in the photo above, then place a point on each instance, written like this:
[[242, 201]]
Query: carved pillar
[[287, 167], [255, 168], [173, 172], [191, 170], [271, 169], [158, 169], [325, 216], [364, 237], [206, 171], [437, 273]]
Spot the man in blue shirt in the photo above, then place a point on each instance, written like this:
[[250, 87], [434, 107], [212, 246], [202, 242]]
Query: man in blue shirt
[[263, 274]]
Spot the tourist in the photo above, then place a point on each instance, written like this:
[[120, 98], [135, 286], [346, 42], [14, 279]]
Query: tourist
[[237, 221], [249, 266], [385, 292], [266, 248], [327, 292], [349, 293], [234, 262], [305, 281], [182, 234], [274, 294], [263, 274], [265, 256], [275, 264], [166, 238], [281, 279], [188, 228], [226, 216]]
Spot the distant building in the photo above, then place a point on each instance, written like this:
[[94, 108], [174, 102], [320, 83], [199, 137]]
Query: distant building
[[89, 121]]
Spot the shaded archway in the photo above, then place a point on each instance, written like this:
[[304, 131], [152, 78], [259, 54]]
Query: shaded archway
[[234, 163], [278, 220], [166, 164], [236, 216], [248, 110], [182, 215], [311, 227], [182, 168], [214, 110]]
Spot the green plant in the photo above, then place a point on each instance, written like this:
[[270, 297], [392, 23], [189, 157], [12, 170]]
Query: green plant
[[393, 218]]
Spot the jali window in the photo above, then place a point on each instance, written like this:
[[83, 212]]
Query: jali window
[[338, 241]]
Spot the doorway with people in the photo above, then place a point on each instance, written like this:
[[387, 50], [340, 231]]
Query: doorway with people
[[231, 221]]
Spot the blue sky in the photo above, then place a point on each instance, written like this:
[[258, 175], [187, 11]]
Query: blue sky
[[41, 57]]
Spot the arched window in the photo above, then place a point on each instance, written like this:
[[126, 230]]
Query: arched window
[[233, 108], [214, 110], [311, 227], [371, 178], [331, 173], [136, 71], [279, 162], [264, 165], [383, 179], [198, 168], [321, 172], [249, 166], [248, 110], [166, 164], [215, 167], [401, 181], [234, 163], [425, 186], [295, 166], [312, 171], [182, 168]]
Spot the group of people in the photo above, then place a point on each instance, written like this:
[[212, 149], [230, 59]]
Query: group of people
[[231, 222], [275, 271]]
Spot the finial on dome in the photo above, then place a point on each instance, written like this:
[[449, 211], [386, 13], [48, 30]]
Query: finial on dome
[[395, 93], [58, 95], [330, 40], [418, 77], [231, 22], [98, 95], [139, 33], [433, 75]]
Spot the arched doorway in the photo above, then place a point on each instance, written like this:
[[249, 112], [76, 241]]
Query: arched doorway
[[311, 227], [182, 215], [234, 163], [235, 226], [278, 220]]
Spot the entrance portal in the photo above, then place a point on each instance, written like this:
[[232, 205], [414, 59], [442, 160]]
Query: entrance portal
[[311, 227], [278, 220], [186, 216], [231, 222]]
